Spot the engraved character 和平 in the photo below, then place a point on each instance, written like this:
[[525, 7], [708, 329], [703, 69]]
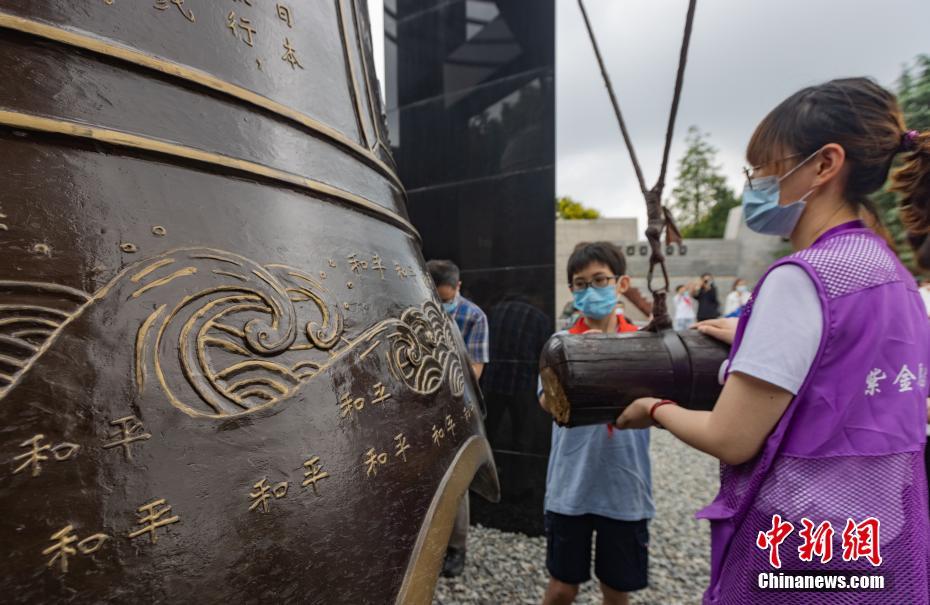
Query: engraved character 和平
[[129, 431], [380, 392], [401, 446], [373, 460], [62, 548], [347, 403], [263, 492], [438, 435], [36, 453], [150, 517], [314, 473]]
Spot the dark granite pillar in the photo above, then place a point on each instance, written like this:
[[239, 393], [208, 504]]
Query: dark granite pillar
[[471, 118]]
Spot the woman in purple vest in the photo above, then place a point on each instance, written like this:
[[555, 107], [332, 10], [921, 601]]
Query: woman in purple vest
[[820, 424]]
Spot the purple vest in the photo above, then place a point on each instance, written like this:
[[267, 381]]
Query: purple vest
[[850, 444]]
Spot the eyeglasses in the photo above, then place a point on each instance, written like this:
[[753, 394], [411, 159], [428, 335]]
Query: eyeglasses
[[599, 281], [749, 170]]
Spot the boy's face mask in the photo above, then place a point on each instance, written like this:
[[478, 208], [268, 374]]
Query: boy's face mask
[[596, 303]]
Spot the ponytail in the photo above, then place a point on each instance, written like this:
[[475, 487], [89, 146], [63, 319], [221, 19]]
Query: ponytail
[[912, 182]]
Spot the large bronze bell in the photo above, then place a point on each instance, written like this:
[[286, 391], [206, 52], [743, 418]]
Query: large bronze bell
[[224, 374]]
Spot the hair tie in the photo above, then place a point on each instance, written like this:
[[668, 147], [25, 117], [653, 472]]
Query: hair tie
[[909, 140]]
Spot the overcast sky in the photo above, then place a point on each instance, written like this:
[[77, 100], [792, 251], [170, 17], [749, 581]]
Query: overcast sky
[[745, 57]]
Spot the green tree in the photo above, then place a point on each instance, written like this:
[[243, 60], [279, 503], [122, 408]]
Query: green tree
[[913, 88], [701, 199], [714, 223], [567, 208]]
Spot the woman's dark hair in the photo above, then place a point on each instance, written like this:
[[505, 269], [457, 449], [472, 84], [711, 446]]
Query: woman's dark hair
[[586, 253], [866, 121]]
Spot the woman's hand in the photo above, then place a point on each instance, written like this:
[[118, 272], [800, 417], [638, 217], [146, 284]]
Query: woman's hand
[[723, 329], [636, 415]]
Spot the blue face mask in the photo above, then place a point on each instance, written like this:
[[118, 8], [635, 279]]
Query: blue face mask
[[450, 306], [761, 210], [596, 303]]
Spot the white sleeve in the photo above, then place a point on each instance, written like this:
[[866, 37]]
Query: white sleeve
[[784, 330]]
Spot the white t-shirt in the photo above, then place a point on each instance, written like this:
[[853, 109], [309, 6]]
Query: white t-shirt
[[925, 296], [735, 300], [684, 307], [783, 334]]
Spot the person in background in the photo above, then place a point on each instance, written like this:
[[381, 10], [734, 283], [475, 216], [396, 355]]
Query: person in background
[[821, 422], [684, 308], [473, 324], [925, 293], [509, 380], [470, 319], [599, 480], [736, 299], [706, 296]]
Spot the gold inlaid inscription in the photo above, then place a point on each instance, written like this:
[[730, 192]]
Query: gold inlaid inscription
[[129, 430], [150, 518], [347, 404], [290, 55], [438, 435], [62, 548], [401, 446], [36, 453], [284, 14], [242, 29], [373, 461], [314, 473], [381, 393], [261, 497], [376, 265], [163, 5], [355, 264]]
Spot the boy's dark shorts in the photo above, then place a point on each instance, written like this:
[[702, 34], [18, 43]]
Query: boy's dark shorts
[[621, 559]]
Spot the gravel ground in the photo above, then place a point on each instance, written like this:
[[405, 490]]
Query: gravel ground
[[509, 568]]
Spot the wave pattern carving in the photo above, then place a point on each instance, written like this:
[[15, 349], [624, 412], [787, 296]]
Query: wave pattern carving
[[225, 336]]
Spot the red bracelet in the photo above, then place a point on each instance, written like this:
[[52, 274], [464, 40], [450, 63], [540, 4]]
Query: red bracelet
[[657, 405]]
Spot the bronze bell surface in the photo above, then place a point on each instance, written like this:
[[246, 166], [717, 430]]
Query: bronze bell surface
[[224, 373]]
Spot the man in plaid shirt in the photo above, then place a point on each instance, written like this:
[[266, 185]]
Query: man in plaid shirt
[[473, 324], [471, 320]]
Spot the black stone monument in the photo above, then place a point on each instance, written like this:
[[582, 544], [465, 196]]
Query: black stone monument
[[471, 118]]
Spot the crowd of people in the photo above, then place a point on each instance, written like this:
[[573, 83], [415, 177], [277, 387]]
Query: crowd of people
[[698, 301], [821, 423]]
